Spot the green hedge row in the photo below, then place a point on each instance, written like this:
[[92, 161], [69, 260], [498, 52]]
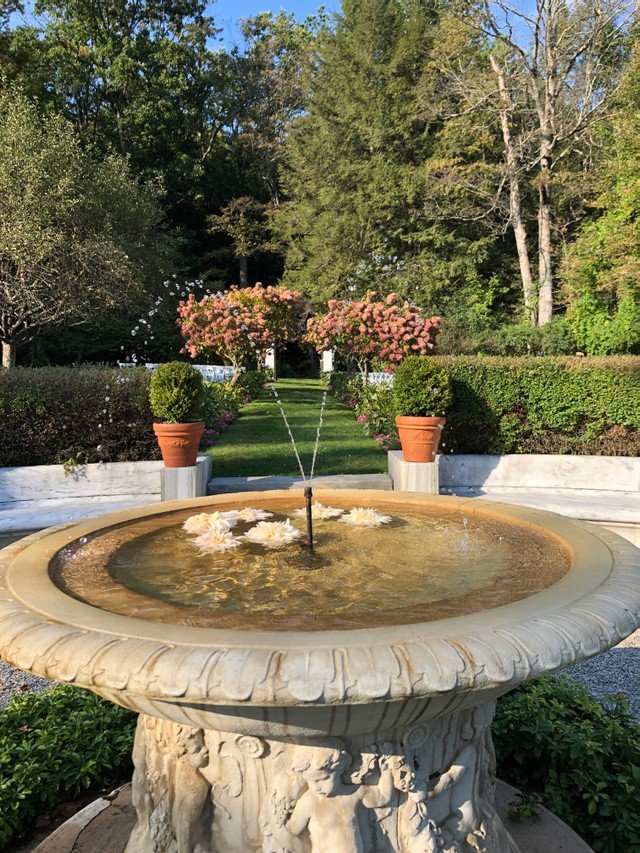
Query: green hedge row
[[544, 405], [51, 415], [588, 406], [78, 415]]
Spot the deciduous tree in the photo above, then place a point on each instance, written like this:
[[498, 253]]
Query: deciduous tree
[[77, 236]]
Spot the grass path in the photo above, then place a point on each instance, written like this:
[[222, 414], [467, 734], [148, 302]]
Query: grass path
[[258, 442]]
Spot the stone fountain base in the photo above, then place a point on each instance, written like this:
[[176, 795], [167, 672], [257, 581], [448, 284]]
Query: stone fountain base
[[423, 788], [105, 825]]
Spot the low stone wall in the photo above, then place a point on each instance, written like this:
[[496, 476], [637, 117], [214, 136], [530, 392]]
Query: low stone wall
[[33, 497], [602, 489]]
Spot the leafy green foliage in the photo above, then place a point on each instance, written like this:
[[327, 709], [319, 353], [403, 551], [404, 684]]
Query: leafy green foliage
[[249, 383], [581, 757], [421, 388], [601, 269], [543, 405], [530, 405], [53, 415], [375, 410], [176, 393], [55, 746], [373, 226], [66, 251]]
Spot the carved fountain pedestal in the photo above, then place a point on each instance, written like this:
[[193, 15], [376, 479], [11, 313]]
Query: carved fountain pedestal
[[337, 741], [424, 786]]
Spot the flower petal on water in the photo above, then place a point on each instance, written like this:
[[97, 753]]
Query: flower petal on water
[[205, 522], [361, 516], [320, 511], [273, 534], [251, 514], [215, 541]]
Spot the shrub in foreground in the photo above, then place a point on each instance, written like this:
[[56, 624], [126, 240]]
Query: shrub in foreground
[[421, 388], [176, 393], [55, 746], [582, 758]]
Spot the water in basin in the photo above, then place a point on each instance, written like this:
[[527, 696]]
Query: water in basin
[[424, 565]]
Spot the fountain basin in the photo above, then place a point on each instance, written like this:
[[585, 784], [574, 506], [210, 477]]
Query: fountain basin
[[247, 735]]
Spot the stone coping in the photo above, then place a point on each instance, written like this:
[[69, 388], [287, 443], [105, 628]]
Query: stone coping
[[594, 606], [37, 496]]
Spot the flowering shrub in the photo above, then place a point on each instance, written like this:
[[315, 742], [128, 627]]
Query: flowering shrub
[[241, 323], [369, 329]]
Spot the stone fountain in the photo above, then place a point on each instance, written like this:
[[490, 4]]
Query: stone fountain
[[309, 722]]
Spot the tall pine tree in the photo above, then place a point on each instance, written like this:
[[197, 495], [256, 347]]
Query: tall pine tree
[[359, 215]]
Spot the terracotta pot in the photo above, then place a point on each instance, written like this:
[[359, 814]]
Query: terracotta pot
[[179, 443], [419, 437]]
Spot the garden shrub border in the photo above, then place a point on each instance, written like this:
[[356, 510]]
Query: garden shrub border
[[53, 747], [78, 415], [548, 405]]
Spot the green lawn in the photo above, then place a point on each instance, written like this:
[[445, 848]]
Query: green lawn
[[258, 442]]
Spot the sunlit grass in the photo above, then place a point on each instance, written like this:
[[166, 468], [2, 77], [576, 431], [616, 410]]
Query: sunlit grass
[[258, 443]]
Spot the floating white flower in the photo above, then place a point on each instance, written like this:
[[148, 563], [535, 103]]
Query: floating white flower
[[216, 540], [206, 522], [251, 514], [273, 534], [320, 511], [361, 516]]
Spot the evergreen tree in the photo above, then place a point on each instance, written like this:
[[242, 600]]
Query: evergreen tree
[[359, 214]]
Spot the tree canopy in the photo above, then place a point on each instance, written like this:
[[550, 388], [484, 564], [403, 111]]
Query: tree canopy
[[483, 171], [78, 235]]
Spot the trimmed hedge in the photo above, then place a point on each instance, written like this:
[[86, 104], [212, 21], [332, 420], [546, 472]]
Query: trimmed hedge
[[55, 746], [78, 415], [52, 415], [586, 406]]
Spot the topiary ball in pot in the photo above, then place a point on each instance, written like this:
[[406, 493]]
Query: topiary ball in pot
[[176, 395], [421, 396]]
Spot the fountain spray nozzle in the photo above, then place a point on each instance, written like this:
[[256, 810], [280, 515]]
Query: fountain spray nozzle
[[308, 496]]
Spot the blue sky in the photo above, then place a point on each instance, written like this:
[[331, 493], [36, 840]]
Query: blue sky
[[226, 13]]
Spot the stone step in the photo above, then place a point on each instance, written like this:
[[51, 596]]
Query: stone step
[[228, 485]]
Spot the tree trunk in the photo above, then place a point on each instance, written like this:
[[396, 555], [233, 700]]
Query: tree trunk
[[515, 196], [545, 274], [244, 272], [8, 354]]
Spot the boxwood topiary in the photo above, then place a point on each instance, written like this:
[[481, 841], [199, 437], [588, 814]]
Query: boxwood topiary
[[176, 393], [421, 388]]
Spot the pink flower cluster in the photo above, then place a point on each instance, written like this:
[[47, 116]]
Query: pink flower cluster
[[372, 329], [241, 322], [217, 428]]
